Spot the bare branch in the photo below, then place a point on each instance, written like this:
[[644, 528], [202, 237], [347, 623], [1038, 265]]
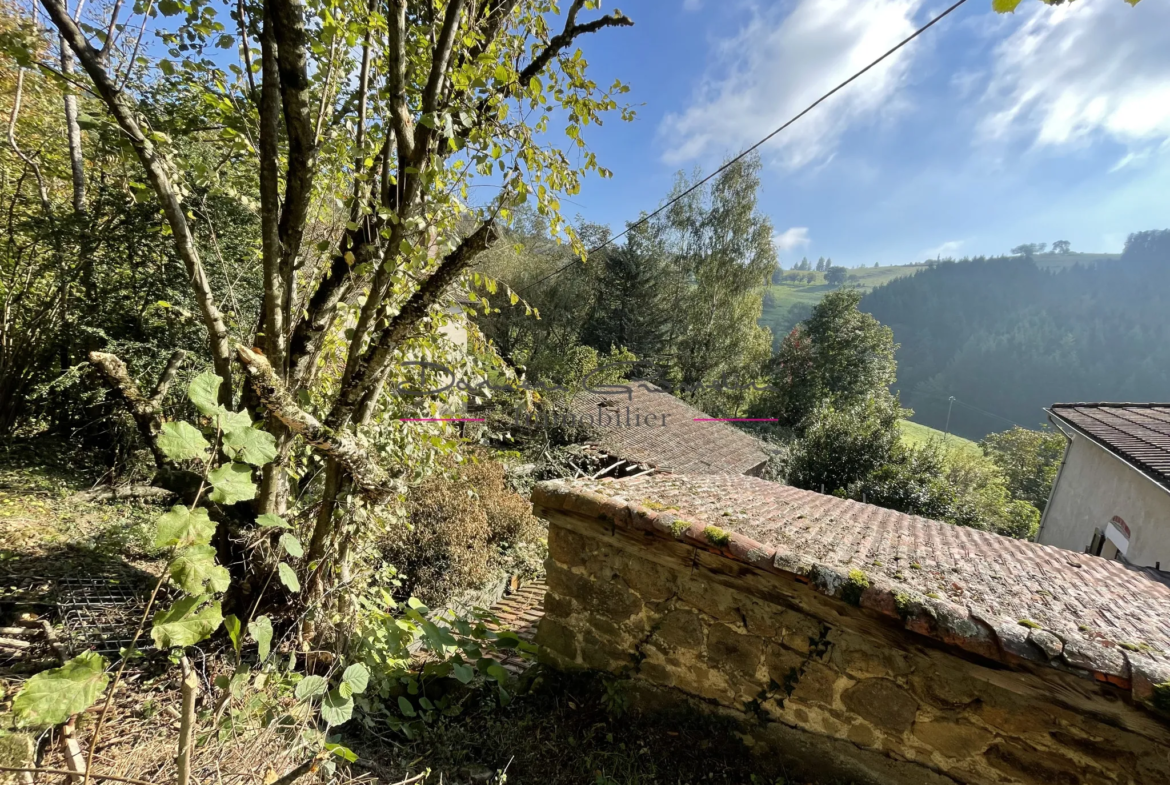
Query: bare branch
[[168, 375], [368, 368], [144, 411], [368, 475], [566, 37]]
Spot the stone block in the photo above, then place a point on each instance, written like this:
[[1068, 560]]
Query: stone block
[[568, 548], [680, 628], [1031, 766], [815, 685], [728, 648], [558, 637], [953, 739], [883, 703], [651, 581], [557, 606]]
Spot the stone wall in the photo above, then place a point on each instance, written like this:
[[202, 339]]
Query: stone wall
[[829, 687]]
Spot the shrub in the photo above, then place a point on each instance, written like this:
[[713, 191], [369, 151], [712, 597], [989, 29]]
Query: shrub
[[466, 528]]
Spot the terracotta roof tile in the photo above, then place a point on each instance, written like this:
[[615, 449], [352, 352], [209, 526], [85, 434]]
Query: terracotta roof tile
[[969, 588], [678, 441], [1139, 433]]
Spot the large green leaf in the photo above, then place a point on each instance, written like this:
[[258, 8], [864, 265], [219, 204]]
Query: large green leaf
[[230, 422], [260, 629], [204, 392], [357, 676], [185, 623], [250, 445], [291, 545], [182, 527], [268, 520], [232, 483], [288, 577], [182, 441], [52, 697], [336, 709], [195, 568], [310, 687]]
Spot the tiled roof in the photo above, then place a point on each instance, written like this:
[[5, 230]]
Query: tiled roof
[[1005, 599], [1137, 432], [682, 438]]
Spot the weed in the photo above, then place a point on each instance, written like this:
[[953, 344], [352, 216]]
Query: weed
[[717, 536]]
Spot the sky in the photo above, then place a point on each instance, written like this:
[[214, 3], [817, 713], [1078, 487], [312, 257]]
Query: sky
[[988, 131]]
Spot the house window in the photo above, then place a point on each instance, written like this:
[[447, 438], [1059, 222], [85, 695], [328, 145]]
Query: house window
[[1111, 542]]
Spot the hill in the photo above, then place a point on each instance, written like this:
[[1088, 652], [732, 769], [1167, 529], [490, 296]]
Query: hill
[[1010, 336], [792, 301]]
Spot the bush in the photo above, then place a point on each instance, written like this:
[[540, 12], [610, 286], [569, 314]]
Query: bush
[[466, 528]]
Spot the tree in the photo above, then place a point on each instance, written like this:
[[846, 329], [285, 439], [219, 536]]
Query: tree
[[1009, 6], [629, 303], [1029, 459], [835, 276], [821, 265], [357, 133], [804, 264], [1062, 247], [1028, 249], [838, 355]]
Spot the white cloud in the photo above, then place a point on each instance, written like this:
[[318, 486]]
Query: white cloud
[[947, 249], [791, 238], [780, 63], [1090, 69]]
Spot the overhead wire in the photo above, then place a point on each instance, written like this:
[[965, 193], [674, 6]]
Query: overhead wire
[[629, 228]]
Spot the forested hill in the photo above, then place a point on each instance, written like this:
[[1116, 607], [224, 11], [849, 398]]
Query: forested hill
[[1009, 336]]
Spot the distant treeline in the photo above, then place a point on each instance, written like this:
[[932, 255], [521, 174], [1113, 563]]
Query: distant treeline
[[1007, 337]]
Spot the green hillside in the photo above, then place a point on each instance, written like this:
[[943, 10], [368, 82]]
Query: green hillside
[[916, 433], [789, 302]]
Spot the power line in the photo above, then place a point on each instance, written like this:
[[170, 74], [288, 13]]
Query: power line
[[757, 145]]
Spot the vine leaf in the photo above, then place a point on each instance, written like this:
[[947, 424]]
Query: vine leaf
[[288, 577], [336, 709], [250, 445], [292, 546], [232, 483], [182, 527], [182, 441], [195, 568], [260, 629], [52, 697], [185, 623], [310, 687]]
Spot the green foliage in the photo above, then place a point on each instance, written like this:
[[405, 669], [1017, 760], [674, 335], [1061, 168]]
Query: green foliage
[[53, 696], [288, 577], [182, 441], [194, 571], [1028, 459], [839, 356], [1009, 6], [717, 536], [232, 483], [260, 629], [182, 527], [250, 445], [188, 621]]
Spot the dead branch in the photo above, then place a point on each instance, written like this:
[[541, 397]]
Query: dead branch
[[66, 772], [143, 410]]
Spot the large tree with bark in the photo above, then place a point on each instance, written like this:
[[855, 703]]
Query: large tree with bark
[[358, 129]]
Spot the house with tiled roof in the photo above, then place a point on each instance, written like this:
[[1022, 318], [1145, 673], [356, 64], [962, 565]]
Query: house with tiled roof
[[1111, 496], [644, 424]]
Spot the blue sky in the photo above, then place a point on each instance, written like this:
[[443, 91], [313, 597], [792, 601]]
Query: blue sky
[[988, 131]]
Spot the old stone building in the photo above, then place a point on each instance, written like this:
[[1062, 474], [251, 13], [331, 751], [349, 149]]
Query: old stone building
[[858, 642]]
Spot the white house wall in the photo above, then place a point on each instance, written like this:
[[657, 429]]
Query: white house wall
[[1094, 486]]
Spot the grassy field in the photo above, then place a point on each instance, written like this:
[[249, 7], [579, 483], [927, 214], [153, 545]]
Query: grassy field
[[915, 433], [788, 303]]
